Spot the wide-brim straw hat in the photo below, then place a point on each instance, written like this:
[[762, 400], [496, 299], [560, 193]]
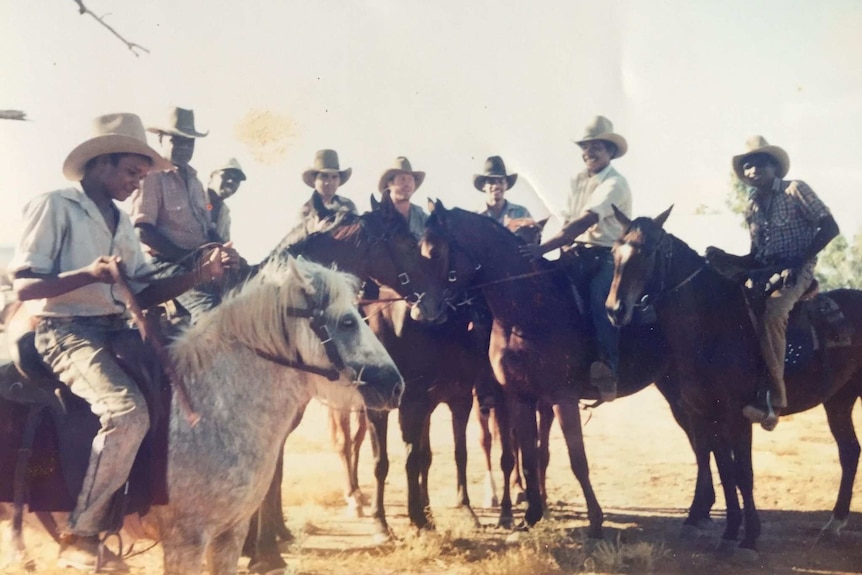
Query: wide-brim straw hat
[[231, 164], [494, 168], [113, 134], [400, 166], [178, 122], [325, 162], [759, 145], [600, 128]]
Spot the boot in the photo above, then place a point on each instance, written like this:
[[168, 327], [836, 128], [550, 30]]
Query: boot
[[85, 553]]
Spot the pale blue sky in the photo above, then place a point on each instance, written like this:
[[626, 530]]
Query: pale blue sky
[[448, 83]]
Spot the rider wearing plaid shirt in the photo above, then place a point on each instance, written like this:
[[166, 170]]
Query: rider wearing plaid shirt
[[789, 226]]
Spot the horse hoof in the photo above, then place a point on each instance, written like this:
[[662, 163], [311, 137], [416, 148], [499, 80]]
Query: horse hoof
[[381, 537], [506, 523], [491, 502], [700, 528], [726, 548], [746, 555], [521, 497]]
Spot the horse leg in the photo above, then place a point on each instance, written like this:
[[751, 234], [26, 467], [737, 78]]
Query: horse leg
[[524, 420], [726, 471], [415, 421], [339, 430], [744, 475], [355, 447], [485, 441], [570, 422], [503, 425], [378, 422], [261, 542], [460, 409], [839, 411], [546, 420], [223, 551], [183, 545]]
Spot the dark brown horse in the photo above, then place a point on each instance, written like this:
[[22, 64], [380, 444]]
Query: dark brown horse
[[541, 344], [712, 338]]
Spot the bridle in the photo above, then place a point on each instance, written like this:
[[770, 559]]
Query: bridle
[[662, 255], [404, 280], [316, 317]]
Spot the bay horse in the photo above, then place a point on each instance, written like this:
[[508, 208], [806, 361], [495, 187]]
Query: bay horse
[[711, 335], [438, 359], [239, 367], [541, 344]]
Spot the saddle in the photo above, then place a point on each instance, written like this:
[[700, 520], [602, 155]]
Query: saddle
[[46, 433], [816, 324]]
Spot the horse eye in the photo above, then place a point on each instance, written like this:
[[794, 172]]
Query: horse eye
[[348, 322]]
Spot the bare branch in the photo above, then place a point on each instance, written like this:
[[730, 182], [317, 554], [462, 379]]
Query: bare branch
[[131, 45], [13, 115]]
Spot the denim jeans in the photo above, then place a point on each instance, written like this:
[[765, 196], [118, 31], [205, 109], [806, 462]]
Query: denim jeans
[[78, 351], [607, 334], [197, 300]]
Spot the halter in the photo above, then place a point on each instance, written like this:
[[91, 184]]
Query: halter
[[318, 326], [403, 277]]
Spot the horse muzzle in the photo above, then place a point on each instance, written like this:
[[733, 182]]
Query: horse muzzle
[[381, 387]]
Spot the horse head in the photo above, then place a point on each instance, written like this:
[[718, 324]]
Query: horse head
[[453, 267], [637, 255], [394, 260]]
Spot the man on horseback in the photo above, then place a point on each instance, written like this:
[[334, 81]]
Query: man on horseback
[[789, 226], [325, 177], [494, 183], [401, 182], [74, 242], [170, 213], [224, 183], [591, 223]]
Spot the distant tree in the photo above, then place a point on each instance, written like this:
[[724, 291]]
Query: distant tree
[[101, 20], [839, 265]]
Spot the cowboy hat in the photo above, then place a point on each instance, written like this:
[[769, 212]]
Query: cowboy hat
[[112, 134], [600, 128], [759, 145], [400, 166], [325, 162], [494, 168], [231, 164], [180, 122]]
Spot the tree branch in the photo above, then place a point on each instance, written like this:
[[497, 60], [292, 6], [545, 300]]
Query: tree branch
[[131, 45]]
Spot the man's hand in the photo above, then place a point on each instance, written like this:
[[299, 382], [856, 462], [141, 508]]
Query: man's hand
[[230, 257], [790, 276], [713, 253], [101, 270], [531, 252]]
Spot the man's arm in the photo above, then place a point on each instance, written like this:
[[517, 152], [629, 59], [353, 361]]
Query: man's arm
[[156, 240], [30, 285], [827, 230], [564, 237]]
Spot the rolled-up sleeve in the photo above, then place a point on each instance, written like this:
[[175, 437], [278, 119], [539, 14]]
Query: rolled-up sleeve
[[44, 227], [147, 201], [614, 191]]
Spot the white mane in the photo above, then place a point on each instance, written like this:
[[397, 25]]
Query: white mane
[[255, 315]]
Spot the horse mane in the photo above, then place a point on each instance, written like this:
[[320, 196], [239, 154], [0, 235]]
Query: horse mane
[[255, 314]]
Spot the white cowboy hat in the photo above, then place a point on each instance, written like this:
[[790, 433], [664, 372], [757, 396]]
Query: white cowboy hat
[[759, 145], [113, 133], [180, 122], [600, 128], [401, 166], [231, 164], [325, 162], [494, 168]]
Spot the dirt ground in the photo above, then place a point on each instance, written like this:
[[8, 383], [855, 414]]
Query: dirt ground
[[642, 470]]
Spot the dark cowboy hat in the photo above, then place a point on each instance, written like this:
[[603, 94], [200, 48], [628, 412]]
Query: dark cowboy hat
[[325, 162], [494, 168], [600, 128], [112, 133], [179, 122], [759, 145], [401, 166]]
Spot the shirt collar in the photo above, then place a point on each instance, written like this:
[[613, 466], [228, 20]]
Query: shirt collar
[[603, 174]]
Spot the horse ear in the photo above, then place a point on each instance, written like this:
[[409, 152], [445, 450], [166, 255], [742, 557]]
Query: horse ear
[[621, 217], [294, 271], [541, 223], [431, 206], [662, 217], [375, 203]]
